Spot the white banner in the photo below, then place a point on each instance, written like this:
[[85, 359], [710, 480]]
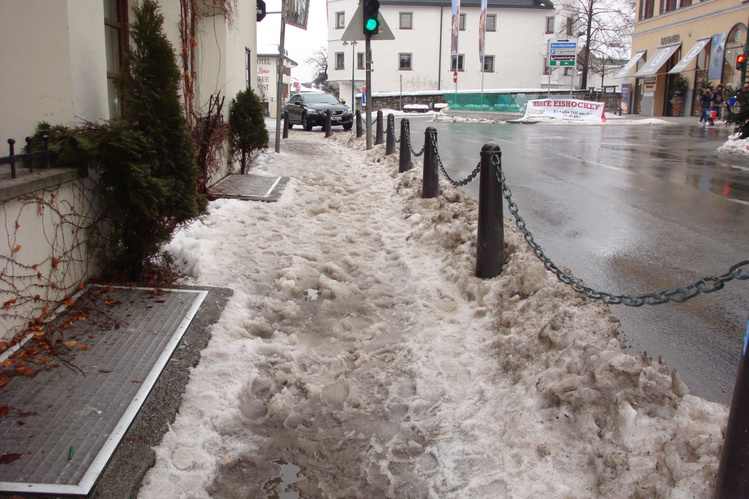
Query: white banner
[[567, 109]]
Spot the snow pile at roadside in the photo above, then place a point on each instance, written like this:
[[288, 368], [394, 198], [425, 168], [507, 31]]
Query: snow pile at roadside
[[612, 120], [735, 147], [360, 352]]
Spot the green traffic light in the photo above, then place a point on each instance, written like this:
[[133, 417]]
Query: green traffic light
[[371, 24]]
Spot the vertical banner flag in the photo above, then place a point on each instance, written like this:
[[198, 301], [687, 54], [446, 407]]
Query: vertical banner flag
[[482, 32], [454, 32], [296, 12], [716, 56]]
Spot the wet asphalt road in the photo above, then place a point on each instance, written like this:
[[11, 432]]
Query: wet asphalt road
[[632, 210]]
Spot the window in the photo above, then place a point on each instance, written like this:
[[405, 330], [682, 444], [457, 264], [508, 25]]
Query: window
[[648, 9], [248, 66], [406, 20], [340, 20], [360, 60], [685, 3], [115, 39], [404, 61], [491, 22], [339, 60], [462, 26], [550, 25], [567, 71], [670, 5], [488, 64], [547, 70], [570, 26], [460, 63]]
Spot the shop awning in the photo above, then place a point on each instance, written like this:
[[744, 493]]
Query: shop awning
[[696, 49], [624, 73], [661, 56]]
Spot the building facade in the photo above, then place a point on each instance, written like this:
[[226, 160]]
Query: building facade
[[419, 59], [267, 81], [697, 39]]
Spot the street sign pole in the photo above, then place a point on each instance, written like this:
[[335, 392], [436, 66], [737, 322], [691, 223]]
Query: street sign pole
[[368, 56]]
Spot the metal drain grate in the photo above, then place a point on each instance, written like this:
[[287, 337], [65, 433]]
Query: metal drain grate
[[252, 187], [65, 422]]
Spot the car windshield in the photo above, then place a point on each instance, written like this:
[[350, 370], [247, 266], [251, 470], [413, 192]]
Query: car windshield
[[320, 99]]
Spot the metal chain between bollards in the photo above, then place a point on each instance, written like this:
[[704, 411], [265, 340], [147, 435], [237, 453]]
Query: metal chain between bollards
[[705, 285], [408, 139], [456, 183]]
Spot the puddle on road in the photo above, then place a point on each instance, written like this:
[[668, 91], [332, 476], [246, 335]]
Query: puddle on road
[[278, 487]]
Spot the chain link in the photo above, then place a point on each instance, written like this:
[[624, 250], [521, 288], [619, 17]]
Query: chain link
[[456, 183], [705, 285], [408, 140]]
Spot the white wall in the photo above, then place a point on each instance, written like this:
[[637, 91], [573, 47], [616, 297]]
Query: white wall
[[518, 45], [36, 54]]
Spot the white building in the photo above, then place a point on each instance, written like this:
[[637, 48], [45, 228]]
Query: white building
[[267, 81], [419, 59]]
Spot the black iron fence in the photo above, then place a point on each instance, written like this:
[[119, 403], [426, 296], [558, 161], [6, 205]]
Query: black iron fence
[[28, 157]]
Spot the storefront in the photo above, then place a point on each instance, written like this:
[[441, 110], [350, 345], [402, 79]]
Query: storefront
[[680, 51]]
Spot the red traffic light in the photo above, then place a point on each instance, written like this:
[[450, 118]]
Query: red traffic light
[[740, 61]]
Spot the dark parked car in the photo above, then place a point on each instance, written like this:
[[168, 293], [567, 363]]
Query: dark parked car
[[308, 109]]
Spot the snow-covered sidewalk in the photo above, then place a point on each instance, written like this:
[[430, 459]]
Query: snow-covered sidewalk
[[360, 357]]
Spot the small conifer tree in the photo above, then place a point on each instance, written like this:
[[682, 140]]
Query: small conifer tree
[[146, 162], [247, 130]]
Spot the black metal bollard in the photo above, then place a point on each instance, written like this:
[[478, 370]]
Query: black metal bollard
[[404, 161], [359, 127], [733, 471], [390, 136], [431, 179], [328, 133], [285, 126], [379, 139], [490, 243]]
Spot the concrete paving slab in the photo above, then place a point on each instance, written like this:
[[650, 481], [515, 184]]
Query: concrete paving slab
[[251, 187], [68, 397]]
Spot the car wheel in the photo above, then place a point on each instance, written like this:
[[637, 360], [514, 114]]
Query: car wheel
[[348, 126], [306, 124]]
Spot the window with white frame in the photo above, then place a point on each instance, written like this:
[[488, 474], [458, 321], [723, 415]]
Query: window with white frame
[[360, 60], [248, 67], [404, 61], [340, 61], [340, 20], [488, 64], [462, 26], [570, 26], [459, 61], [550, 25], [406, 20], [491, 22], [115, 41]]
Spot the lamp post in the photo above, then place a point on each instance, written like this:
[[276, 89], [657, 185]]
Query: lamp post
[[353, 68]]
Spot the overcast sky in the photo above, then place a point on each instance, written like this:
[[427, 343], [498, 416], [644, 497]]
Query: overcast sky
[[300, 44]]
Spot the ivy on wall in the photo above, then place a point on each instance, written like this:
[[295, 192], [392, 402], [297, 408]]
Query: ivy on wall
[[47, 257]]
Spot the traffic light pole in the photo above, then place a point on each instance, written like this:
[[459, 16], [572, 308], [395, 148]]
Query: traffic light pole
[[368, 56]]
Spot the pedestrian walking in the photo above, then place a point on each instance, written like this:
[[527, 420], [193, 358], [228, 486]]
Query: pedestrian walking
[[706, 100], [717, 101]]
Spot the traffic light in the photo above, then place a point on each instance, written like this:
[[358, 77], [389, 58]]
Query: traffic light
[[371, 16], [740, 61]]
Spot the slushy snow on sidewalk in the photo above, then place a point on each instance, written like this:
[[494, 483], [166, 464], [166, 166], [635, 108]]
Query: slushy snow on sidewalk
[[360, 357]]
